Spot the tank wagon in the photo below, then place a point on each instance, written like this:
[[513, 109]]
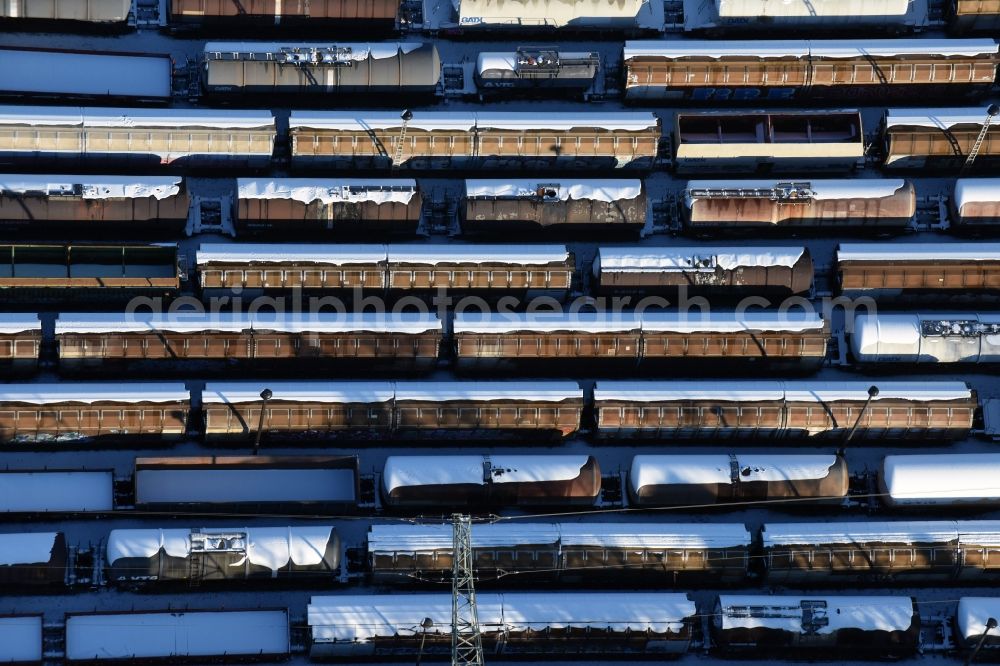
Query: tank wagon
[[269, 68], [135, 138], [936, 138], [566, 552], [723, 270], [975, 204], [82, 412], [773, 409], [946, 271], [105, 342], [109, 13], [971, 624], [515, 624], [940, 481], [55, 491], [32, 559], [926, 338], [360, 15], [604, 206], [868, 626], [778, 141], [22, 639], [779, 71], [423, 140], [536, 71], [761, 16], [299, 410], [491, 480], [307, 206], [20, 340], [93, 205], [735, 205]]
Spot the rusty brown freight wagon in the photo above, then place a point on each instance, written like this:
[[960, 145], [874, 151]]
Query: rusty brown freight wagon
[[950, 270], [294, 206], [291, 266], [425, 140], [303, 14], [721, 205], [33, 559], [975, 15], [723, 270], [79, 12], [20, 339], [937, 138], [504, 206], [773, 409], [512, 267], [90, 412], [83, 206]]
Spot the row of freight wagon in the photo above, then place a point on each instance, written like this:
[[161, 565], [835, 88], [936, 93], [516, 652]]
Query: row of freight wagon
[[514, 625], [701, 141]]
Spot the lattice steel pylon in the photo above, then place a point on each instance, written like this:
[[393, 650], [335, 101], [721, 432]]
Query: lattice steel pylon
[[466, 639]]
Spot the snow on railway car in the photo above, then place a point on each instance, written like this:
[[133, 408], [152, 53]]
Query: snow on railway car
[[972, 624], [63, 75], [56, 491], [708, 479], [32, 559], [88, 413], [85, 206], [975, 204], [826, 626], [320, 206], [223, 554], [98, 13], [291, 266], [864, 551], [20, 340], [478, 481], [723, 270], [135, 138], [798, 16], [510, 267], [633, 17], [926, 338], [423, 140], [777, 71], [778, 141], [721, 205], [753, 409], [518, 624], [359, 15], [165, 343], [536, 71], [947, 271], [507, 205], [937, 138], [246, 483], [21, 639], [173, 636], [357, 69], [940, 480], [567, 552]]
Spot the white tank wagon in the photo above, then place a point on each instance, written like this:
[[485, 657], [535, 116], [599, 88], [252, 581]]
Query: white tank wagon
[[941, 480], [975, 204], [777, 141], [696, 479], [223, 555], [171, 636], [267, 68], [972, 625], [949, 270], [538, 72], [864, 551], [21, 639], [767, 16], [136, 138], [937, 138], [351, 627], [940, 337], [109, 13], [476, 17], [792, 409], [566, 552], [825, 626], [56, 491]]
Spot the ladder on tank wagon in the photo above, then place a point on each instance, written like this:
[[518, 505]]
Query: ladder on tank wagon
[[991, 112]]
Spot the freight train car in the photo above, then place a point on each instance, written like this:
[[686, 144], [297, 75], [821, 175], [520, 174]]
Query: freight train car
[[926, 338], [974, 15], [954, 270], [487, 17], [778, 141], [722, 270], [536, 71], [862, 552], [22, 639], [108, 13], [860, 627], [952, 480], [223, 555], [286, 207], [709, 479], [780, 71], [56, 491], [434, 140], [804, 205], [289, 69], [771, 409], [798, 16], [975, 204], [319, 15], [135, 138], [570, 553], [20, 339], [972, 624], [85, 413], [519, 625], [937, 138], [479, 481], [173, 636], [171, 343], [32, 559], [88, 206], [557, 205]]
